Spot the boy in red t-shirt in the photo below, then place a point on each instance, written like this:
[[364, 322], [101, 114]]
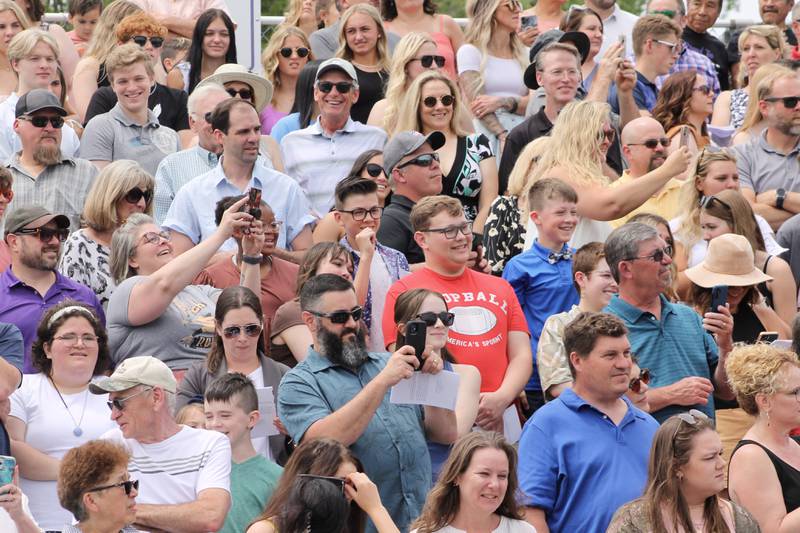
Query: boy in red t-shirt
[[490, 331]]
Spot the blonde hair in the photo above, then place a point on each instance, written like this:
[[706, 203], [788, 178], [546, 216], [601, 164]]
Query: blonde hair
[[404, 52], [22, 18], [23, 43], [125, 56], [479, 32], [294, 10], [519, 177], [769, 32], [110, 185], [766, 76], [381, 47], [269, 57], [756, 369], [103, 38], [408, 115]]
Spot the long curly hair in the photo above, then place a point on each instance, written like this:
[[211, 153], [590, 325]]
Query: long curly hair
[[757, 369], [269, 57], [404, 52], [674, 99], [408, 113], [381, 47]]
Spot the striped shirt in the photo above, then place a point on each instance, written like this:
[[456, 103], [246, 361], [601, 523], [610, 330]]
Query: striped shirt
[[175, 171]]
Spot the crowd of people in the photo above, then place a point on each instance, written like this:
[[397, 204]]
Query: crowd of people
[[532, 274]]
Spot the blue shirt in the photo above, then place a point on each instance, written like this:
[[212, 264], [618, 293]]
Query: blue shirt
[[578, 467], [192, 211], [645, 94], [392, 448], [543, 289], [287, 124], [673, 348]]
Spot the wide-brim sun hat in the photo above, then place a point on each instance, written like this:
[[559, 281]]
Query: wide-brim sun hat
[[728, 261], [262, 88]]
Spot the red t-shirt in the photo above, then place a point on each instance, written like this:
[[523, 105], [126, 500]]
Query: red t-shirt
[[486, 309]]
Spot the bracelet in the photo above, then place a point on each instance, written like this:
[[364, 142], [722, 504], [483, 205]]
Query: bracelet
[[252, 259]]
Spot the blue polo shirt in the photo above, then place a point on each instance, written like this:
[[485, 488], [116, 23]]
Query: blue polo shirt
[[673, 348], [543, 289], [645, 93], [578, 466], [392, 448]]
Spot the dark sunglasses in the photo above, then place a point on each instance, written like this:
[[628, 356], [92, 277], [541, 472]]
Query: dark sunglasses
[[427, 60], [446, 100], [245, 94], [8, 194], [286, 52], [41, 122], [141, 40], [656, 257], [608, 134], [127, 486], [338, 481], [373, 169], [651, 144], [343, 87], [707, 201], [136, 194], [789, 102], [705, 89], [45, 234], [341, 317], [636, 383], [430, 318], [251, 330], [424, 160], [119, 403], [692, 418]]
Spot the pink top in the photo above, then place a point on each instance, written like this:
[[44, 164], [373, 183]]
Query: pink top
[[446, 49], [269, 116]]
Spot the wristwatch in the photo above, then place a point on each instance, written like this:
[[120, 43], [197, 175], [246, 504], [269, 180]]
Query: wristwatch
[[780, 196], [252, 259]]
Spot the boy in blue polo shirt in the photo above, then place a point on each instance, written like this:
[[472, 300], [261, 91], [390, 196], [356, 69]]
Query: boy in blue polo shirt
[[542, 276]]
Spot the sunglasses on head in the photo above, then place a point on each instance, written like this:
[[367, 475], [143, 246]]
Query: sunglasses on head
[[651, 144], [424, 160], [286, 52], [41, 121], [430, 318], [789, 102], [45, 234], [251, 330], [636, 383], [8, 194], [428, 60], [374, 169], [338, 481], [342, 316], [244, 94], [127, 486], [446, 100], [136, 194], [707, 201], [692, 418], [342, 87], [141, 40]]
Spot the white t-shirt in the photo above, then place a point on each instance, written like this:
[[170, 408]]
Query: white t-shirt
[[177, 469], [7, 525], [501, 77], [49, 429], [507, 525]]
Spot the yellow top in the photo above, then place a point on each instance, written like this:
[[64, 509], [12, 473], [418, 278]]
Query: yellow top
[[665, 202]]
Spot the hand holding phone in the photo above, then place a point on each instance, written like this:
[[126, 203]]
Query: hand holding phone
[[529, 21], [719, 296], [767, 337], [685, 136], [7, 464], [416, 333]]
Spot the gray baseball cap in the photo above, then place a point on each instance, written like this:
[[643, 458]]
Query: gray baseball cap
[[30, 214], [36, 100], [336, 63], [405, 143]]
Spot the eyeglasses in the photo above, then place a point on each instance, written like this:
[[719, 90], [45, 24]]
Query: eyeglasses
[[608, 134], [361, 214], [251, 330], [338, 481], [424, 160], [286, 52], [656, 257], [274, 226], [446, 100], [342, 316], [430, 318], [244, 94], [674, 48], [451, 232], [513, 6], [141, 40], [71, 339], [789, 102], [151, 237], [651, 144], [41, 121], [636, 383], [704, 89], [707, 201], [127, 486], [428, 60], [45, 234], [373, 169], [119, 403], [136, 194], [342, 87], [8, 194]]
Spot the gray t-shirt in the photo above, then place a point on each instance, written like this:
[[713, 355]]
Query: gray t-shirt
[[179, 337], [325, 42], [762, 168], [113, 135]]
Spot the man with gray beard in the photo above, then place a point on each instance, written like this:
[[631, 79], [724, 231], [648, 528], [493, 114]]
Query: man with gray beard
[[768, 165], [43, 175], [341, 391]]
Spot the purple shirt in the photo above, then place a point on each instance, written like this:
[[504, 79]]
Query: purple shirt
[[269, 116], [22, 306]]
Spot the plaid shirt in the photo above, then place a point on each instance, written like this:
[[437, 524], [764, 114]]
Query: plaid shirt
[[692, 60]]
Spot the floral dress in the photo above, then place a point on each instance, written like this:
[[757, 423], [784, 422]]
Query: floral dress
[[87, 262], [464, 180]]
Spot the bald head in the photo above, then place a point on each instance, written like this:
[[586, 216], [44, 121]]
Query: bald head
[[636, 135]]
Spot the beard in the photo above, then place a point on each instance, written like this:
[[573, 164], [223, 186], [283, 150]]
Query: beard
[[47, 155], [788, 127], [36, 260], [350, 354]]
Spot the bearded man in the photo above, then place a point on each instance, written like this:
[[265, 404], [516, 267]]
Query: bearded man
[[341, 391]]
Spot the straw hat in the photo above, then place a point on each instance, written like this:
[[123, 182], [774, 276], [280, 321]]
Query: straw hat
[[729, 261], [262, 88]]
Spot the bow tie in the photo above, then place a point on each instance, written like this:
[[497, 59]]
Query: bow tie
[[554, 257]]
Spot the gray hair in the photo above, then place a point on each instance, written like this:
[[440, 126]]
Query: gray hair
[[123, 244], [201, 92], [552, 47], [623, 244]]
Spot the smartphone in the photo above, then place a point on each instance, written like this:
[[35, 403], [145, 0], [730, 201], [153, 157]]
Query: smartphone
[[719, 296], [529, 21], [254, 202], [685, 136], [7, 465], [767, 337], [477, 247], [621, 40], [416, 331]]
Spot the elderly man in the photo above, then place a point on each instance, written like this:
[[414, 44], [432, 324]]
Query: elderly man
[[341, 391], [319, 156], [687, 362], [701, 16], [184, 473]]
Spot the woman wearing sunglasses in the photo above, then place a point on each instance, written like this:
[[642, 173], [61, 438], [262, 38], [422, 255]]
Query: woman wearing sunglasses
[[431, 307], [685, 476], [284, 57], [95, 486], [685, 101], [54, 411], [121, 189], [469, 167]]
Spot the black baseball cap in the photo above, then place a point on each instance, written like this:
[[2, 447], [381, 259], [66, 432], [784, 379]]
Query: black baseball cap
[[36, 100]]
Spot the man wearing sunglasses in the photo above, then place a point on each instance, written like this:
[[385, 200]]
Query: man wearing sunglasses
[[42, 173], [32, 284], [319, 156], [183, 472], [341, 391], [685, 353], [325, 42]]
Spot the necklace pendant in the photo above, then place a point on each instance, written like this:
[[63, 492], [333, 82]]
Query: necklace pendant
[[77, 432]]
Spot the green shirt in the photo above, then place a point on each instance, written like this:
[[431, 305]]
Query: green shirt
[[252, 483]]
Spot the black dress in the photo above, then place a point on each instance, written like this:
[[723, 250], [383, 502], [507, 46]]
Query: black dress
[[371, 87], [788, 476]]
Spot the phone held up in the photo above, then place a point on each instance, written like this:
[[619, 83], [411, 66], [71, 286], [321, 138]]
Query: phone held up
[[253, 205], [530, 21], [7, 465], [416, 331]]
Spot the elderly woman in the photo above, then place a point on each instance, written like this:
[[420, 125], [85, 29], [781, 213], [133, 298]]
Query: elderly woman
[[763, 472], [94, 485]]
